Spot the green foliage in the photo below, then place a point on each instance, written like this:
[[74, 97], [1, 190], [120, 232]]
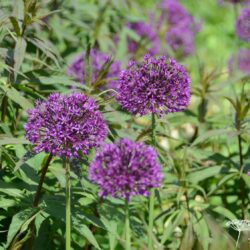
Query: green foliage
[[204, 151]]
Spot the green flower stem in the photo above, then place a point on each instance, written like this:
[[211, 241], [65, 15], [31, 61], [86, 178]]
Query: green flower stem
[[243, 192], [238, 238], [4, 108], [151, 219], [153, 126], [38, 196], [127, 227], [152, 194], [41, 181], [68, 205]]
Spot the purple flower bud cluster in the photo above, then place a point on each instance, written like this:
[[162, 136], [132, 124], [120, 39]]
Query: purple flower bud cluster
[[76, 69], [154, 86], [243, 25], [149, 39], [240, 61], [65, 125], [126, 169], [182, 27]]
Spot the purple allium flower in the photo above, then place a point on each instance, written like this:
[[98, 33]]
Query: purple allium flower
[[149, 38], [126, 169], [240, 61], [76, 69], [234, 1], [174, 12], [154, 86], [243, 25], [65, 125], [180, 39], [182, 27]]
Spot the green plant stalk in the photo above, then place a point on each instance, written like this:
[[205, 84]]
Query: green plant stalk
[[127, 227], [243, 193], [240, 154], [38, 196], [68, 205], [238, 238], [4, 108], [41, 181], [152, 194]]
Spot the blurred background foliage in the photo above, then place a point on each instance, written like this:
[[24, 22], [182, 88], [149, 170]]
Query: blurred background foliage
[[204, 150]]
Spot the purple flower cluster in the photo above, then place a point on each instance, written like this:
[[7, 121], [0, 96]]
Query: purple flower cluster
[[181, 40], [65, 125], [182, 27], [126, 169], [234, 1], [243, 25], [174, 12], [76, 69], [154, 86], [241, 61], [148, 38]]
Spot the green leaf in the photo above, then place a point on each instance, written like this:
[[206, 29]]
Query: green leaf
[[12, 140], [204, 173], [112, 228], [45, 47], [19, 53], [188, 239], [91, 219], [222, 181], [16, 97], [83, 230], [6, 203], [173, 221], [53, 80], [207, 135], [224, 212], [15, 25], [19, 224], [232, 102], [18, 9], [201, 230]]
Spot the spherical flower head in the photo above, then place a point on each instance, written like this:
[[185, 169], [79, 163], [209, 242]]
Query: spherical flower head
[[149, 38], [240, 61], [154, 86], [181, 40], [65, 125], [126, 169], [243, 25], [98, 59], [174, 12]]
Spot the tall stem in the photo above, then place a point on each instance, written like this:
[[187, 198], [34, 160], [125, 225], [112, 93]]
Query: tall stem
[[243, 193], [187, 202], [68, 205], [240, 154], [238, 238], [38, 196], [153, 125], [127, 227], [152, 194], [41, 181], [241, 181], [4, 108]]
